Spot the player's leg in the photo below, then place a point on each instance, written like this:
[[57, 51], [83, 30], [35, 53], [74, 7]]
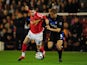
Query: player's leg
[[40, 48], [38, 40], [50, 44], [59, 49], [38, 45], [24, 47], [50, 41]]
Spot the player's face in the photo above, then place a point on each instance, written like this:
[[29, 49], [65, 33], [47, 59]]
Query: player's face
[[32, 12], [53, 15]]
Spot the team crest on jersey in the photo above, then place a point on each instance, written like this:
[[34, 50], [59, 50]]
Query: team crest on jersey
[[60, 23], [55, 22]]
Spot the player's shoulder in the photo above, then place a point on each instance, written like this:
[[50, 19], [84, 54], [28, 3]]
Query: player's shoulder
[[60, 18]]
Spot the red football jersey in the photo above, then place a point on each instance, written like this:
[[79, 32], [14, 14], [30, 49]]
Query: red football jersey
[[36, 28]]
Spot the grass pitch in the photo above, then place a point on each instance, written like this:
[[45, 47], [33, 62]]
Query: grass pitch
[[69, 58]]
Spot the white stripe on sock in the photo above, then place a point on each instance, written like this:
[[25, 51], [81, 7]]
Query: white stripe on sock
[[23, 54]]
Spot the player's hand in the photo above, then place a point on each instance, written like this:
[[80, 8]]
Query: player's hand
[[48, 27]]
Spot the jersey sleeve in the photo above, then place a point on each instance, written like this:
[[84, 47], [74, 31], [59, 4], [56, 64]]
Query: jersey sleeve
[[40, 15], [60, 23]]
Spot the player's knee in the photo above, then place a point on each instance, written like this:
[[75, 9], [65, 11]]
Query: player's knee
[[50, 45], [59, 47], [59, 44]]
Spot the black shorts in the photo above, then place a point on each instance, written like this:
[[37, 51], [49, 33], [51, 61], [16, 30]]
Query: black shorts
[[54, 37]]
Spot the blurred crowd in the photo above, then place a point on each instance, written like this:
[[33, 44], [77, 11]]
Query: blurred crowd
[[75, 30], [14, 21], [11, 6]]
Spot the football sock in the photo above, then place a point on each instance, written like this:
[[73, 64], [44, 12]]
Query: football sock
[[60, 54], [42, 49], [24, 47], [23, 54]]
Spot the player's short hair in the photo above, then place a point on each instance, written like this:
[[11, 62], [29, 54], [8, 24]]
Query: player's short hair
[[53, 11]]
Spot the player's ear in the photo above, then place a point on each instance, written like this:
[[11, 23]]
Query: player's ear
[[34, 11]]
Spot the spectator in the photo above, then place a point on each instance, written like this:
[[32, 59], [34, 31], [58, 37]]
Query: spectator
[[76, 30], [45, 10], [83, 7], [39, 4], [32, 4], [84, 35], [72, 6]]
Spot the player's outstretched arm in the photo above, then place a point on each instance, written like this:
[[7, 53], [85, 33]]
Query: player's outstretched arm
[[52, 29]]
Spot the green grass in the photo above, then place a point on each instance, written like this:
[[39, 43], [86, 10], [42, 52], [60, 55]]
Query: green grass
[[69, 58]]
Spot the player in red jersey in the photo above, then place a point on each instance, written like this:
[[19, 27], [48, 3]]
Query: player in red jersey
[[35, 33]]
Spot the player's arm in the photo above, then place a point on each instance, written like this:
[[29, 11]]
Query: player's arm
[[53, 29], [39, 17], [46, 21], [35, 22], [58, 28]]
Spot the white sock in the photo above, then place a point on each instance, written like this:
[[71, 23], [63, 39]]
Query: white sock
[[23, 54]]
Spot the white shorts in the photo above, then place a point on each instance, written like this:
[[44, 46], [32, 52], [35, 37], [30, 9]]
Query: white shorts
[[37, 37]]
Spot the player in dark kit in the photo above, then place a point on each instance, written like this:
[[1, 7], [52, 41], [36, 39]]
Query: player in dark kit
[[55, 27]]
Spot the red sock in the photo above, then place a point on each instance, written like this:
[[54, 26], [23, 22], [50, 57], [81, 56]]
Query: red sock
[[42, 49], [24, 47]]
